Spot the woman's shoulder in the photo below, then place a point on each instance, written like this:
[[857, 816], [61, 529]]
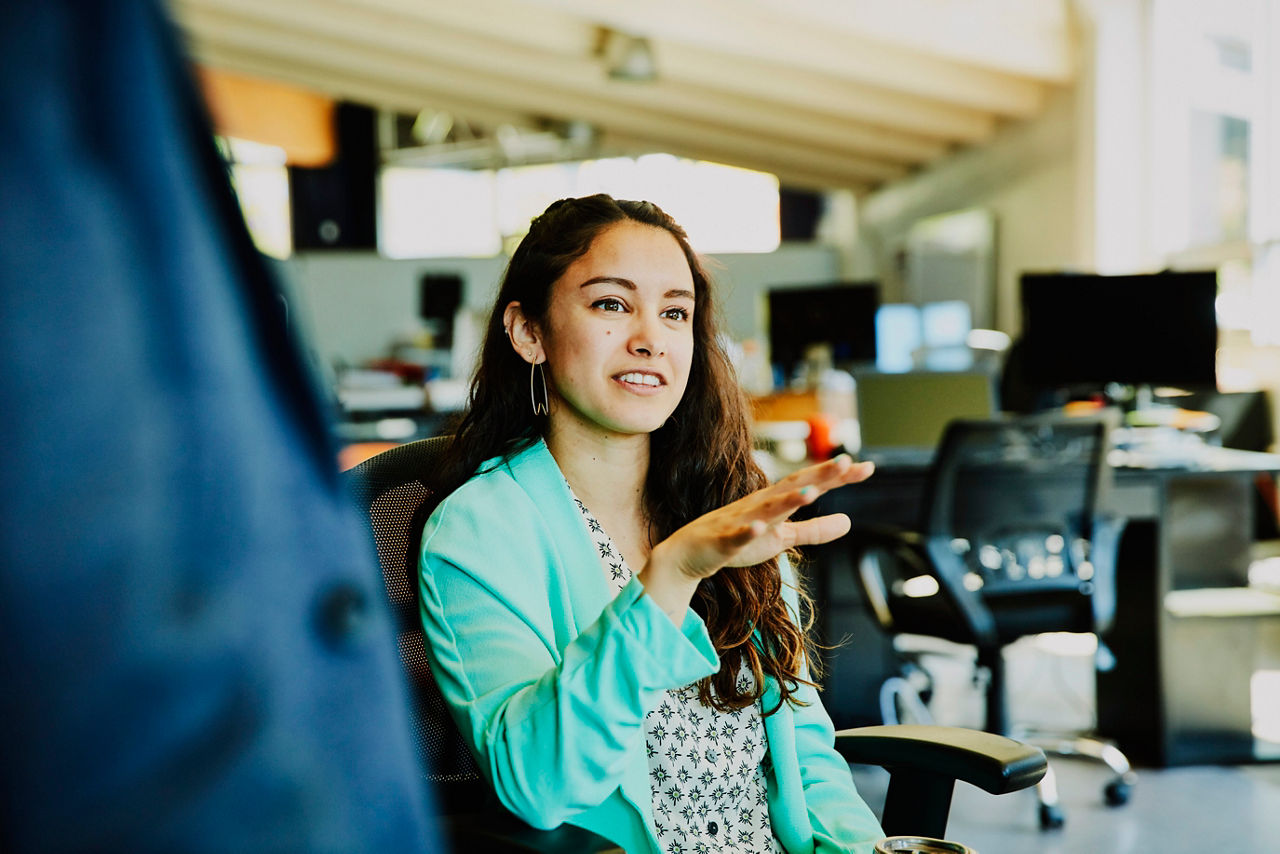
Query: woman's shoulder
[[491, 485], [502, 487], [480, 517]]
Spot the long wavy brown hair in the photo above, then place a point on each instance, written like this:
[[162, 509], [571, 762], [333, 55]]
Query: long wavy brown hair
[[700, 459]]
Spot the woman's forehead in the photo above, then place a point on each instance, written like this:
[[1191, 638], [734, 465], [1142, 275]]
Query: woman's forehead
[[641, 253]]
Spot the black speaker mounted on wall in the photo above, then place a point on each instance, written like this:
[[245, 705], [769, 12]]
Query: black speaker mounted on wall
[[334, 206], [799, 212]]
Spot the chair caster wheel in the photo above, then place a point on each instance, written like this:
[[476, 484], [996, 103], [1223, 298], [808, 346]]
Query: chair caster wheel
[[1117, 792], [1051, 817]]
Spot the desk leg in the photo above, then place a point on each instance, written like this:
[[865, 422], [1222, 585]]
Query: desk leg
[[1130, 695], [1180, 690]]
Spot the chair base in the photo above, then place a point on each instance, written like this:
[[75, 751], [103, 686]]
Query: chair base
[[900, 698], [1119, 788], [1116, 792]]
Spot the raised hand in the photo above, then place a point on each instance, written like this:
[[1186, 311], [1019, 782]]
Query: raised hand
[[749, 531]]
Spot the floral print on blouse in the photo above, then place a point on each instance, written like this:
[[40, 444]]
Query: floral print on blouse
[[706, 767]]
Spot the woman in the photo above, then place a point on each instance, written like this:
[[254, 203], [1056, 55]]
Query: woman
[[608, 605]]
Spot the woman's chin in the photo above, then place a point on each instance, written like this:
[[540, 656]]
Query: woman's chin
[[616, 421]]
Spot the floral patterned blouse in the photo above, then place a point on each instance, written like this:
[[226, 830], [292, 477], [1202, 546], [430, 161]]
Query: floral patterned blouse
[[706, 767]]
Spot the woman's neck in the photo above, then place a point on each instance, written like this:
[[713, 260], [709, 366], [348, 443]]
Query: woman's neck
[[606, 471]]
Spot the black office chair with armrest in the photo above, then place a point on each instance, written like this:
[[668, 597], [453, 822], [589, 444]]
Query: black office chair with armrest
[[1011, 543], [394, 489]]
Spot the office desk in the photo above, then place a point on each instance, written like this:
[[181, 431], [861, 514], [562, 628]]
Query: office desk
[[1180, 690], [1187, 632]]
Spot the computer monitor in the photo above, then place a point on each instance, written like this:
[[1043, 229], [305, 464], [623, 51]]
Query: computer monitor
[[933, 336], [899, 334], [840, 314], [902, 416], [1090, 330], [946, 324]]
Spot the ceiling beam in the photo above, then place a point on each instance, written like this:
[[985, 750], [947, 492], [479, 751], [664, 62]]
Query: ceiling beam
[[508, 23], [849, 94], [789, 172], [1026, 38], [379, 94], [761, 33], [471, 53], [804, 89], [506, 92], [383, 95], [381, 84]]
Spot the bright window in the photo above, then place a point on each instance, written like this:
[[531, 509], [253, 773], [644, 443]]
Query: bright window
[[454, 212], [1216, 151], [261, 183], [432, 213]]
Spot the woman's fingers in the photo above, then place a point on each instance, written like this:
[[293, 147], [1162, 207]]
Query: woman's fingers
[[841, 474], [755, 528], [823, 529], [828, 475], [788, 495], [859, 472], [778, 506]]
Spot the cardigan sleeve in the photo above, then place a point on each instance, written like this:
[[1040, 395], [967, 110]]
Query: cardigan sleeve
[[840, 818], [553, 717]]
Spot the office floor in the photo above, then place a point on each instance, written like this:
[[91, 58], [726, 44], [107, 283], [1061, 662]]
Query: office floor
[[1187, 810]]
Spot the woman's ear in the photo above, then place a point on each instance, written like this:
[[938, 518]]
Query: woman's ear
[[523, 334]]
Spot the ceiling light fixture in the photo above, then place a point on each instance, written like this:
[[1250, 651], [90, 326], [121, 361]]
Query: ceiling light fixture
[[626, 57]]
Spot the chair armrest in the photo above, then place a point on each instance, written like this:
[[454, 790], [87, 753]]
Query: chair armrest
[[991, 762], [500, 831]]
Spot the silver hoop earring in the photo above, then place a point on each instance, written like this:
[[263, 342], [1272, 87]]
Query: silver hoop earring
[[538, 408]]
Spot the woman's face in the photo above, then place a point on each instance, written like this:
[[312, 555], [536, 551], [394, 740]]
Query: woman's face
[[618, 335]]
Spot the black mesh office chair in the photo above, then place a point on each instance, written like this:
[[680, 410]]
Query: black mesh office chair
[[1011, 543], [394, 489]]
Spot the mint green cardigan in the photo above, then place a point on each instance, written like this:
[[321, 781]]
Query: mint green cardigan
[[550, 675]]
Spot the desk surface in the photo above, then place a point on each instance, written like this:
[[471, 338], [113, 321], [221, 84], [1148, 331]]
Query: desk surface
[[1192, 455], [1206, 458]]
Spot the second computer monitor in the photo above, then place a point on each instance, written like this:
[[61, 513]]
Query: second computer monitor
[[1089, 330]]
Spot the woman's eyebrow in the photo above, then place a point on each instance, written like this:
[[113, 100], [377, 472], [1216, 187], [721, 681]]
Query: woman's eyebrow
[[606, 280], [674, 293]]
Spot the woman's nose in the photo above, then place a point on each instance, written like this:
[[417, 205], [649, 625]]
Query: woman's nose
[[646, 338]]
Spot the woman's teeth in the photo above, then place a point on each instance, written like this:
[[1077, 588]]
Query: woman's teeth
[[640, 379]]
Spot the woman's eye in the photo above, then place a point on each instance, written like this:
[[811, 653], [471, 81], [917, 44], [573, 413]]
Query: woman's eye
[[609, 304], [676, 314]]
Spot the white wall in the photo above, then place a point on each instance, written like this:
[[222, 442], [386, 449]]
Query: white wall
[[1028, 175], [354, 304]]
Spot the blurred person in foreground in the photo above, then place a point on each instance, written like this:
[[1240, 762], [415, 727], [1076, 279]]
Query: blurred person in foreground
[[195, 653]]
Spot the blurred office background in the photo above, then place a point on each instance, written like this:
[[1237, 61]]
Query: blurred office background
[[390, 152], [873, 180]]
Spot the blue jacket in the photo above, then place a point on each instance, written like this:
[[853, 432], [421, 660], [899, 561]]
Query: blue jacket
[[196, 651], [550, 675]]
